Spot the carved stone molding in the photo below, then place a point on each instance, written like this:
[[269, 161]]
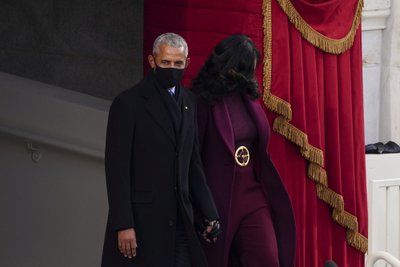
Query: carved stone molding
[[374, 19], [375, 14]]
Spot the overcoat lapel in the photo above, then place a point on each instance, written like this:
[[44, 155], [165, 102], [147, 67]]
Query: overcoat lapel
[[186, 111], [157, 110], [224, 125]]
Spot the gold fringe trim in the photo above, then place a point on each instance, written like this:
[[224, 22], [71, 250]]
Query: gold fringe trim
[[295, 135], [331, 198], [313, 155], [282, 126], [317, 174], [316, 155], [326, 44], [278, 105], [345, 219], [357, 240]]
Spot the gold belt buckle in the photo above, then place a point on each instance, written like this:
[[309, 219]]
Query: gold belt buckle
[[242, 156]]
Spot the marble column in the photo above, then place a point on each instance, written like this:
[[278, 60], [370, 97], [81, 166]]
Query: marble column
[[390, 78], [375, 14]]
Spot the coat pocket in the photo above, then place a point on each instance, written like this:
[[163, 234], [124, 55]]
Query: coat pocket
[[142, 197]]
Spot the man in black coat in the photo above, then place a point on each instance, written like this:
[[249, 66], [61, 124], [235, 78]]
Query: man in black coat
[[153, 170]]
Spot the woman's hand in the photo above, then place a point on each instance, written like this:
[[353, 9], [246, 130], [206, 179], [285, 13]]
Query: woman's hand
[[211, 230]]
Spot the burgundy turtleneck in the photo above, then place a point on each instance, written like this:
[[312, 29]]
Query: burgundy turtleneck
[[248, 193]]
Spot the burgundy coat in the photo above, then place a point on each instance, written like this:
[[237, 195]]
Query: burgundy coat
[[217, 150]]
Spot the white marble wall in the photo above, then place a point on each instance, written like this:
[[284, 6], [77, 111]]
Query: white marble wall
[[390, 77], [381, 70], [383, 183]]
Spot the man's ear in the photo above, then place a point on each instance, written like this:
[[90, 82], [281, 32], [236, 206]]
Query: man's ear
[[187, 62], [152, 61]]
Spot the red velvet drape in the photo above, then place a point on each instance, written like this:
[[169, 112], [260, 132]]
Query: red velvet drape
[[325, 95], [203, 23]]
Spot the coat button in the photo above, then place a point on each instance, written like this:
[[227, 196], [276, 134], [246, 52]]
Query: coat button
[[171, 223]]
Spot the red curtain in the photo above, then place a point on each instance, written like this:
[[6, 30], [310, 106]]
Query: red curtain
[[203, 23], [325, 95], [313, 98]]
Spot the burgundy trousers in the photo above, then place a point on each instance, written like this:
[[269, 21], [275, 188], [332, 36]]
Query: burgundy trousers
[[254, 240]]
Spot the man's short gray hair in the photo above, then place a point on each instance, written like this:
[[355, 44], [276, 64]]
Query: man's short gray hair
[[170, 39]]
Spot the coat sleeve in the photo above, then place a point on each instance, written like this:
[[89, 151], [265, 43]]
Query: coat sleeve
[[199, 191], [118, 154], [201, 122]]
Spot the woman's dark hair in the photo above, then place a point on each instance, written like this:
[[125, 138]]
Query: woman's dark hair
[[230, 67]]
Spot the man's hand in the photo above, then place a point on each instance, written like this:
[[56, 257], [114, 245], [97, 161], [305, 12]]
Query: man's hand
[[127, 242]]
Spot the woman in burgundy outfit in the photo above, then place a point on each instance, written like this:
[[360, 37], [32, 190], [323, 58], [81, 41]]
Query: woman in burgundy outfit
[[256, 215]]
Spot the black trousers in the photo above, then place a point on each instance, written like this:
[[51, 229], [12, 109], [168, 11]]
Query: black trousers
[[182, 253]]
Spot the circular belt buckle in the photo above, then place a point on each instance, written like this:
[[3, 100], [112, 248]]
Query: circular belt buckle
[[242, 156]]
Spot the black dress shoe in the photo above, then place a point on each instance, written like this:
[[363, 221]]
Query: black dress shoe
[[376, 148], [391, 147], [380, 148]]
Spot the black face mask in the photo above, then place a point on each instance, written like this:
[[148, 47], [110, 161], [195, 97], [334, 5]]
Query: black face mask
[[168, 77]]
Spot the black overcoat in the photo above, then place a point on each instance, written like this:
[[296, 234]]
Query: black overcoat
[[150, 170]]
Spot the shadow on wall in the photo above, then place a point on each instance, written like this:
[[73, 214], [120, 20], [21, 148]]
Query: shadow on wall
[[94, 47], [53, 196]]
